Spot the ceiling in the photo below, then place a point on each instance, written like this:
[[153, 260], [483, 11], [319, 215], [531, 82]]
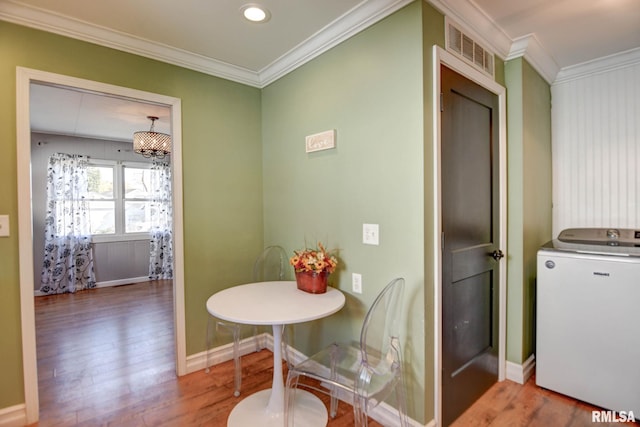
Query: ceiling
[[211, 35], [63, 111], [570, 31]]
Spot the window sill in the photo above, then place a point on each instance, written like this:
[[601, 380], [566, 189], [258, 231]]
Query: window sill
[[111, 238]]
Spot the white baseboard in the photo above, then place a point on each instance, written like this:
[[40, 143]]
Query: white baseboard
[[224, 353], [13, 416], [109, 283], [384, 413], [521, 373]]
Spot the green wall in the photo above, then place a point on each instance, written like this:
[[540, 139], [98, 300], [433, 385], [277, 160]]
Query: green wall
[[223, 228], [529, 215], [375, 91], [370, 89]]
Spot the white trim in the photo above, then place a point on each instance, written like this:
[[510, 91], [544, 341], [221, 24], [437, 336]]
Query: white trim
[[24, 77], [13, 416], [109, 284], [384, 413], [362, 16], [521, 373], [602, 65], [476, 23], [224, 353], [532, 50], [30, 16], [483, 28], [440, 56], [110, 238], [351, 23]]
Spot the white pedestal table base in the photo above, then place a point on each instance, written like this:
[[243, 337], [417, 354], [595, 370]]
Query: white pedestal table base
[[252, 411]]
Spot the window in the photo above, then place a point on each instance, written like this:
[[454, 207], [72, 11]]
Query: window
[[102, 199], [119, 198]]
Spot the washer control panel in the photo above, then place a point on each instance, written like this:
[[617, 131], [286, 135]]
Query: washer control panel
[[601, 236]]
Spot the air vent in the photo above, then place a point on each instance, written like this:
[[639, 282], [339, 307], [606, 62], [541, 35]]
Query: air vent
[[466, 48]]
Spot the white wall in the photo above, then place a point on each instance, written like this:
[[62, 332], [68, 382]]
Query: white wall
[[596, 145], [114, 262]]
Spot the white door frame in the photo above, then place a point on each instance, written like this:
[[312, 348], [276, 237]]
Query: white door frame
[[441, 56], [24, 78]]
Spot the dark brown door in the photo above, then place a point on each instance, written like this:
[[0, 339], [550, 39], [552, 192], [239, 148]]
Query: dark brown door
[[470, 224]]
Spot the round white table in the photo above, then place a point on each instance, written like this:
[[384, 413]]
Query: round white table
[[275, 304]]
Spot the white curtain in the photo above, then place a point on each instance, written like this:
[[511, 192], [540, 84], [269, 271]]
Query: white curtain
[[68, 255], [161, 238]]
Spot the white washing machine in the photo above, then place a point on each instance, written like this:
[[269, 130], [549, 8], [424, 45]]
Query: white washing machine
[[588, 317]]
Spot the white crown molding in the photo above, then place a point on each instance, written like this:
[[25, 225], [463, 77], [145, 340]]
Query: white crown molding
[[600, 65], [532, 50], [43, 20], [352, 22], [465, 13], [487, 32], [346, 26]]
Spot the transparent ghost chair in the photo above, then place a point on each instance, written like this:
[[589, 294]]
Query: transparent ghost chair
[[269, 266], [368, 371]]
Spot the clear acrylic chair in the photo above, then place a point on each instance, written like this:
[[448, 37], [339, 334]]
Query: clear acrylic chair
[[369, 371], [269, 266]]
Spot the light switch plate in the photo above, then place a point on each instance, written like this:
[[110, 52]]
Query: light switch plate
[[4, 225], [370, 234]]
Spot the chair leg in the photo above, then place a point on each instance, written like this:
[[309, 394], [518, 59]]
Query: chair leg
[[360, 411], [255, 338], [289, 399], [210, 320], [401, 400], [236, 360], [333, 390]]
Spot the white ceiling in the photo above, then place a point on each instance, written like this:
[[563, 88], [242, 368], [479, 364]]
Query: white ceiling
[[211, 36], [570, 31], [64, 111]]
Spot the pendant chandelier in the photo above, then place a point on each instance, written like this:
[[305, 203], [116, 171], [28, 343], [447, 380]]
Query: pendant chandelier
[[150, 143]]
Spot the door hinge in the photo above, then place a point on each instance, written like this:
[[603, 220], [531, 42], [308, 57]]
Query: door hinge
[[441, 102], [442, 242]]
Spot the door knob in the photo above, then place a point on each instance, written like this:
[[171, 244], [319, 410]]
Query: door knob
[[497, 254]]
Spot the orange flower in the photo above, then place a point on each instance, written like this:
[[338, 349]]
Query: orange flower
[[318, 260]]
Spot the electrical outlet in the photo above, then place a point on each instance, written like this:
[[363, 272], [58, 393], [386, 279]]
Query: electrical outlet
[[370, 234], [356, 283]]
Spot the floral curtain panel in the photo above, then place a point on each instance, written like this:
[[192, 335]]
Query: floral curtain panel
[[68, 254], [161, 237]]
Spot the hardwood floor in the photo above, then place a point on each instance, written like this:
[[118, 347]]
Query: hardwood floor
[[510, 404], [106, 358]]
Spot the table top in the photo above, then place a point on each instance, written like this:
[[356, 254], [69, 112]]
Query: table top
[[273, 303]]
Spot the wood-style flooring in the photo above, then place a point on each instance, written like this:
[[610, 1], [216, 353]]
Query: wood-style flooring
[[510, 404], [106, 358]]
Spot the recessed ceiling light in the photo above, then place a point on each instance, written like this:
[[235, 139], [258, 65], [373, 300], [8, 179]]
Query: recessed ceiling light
[[255, 13]]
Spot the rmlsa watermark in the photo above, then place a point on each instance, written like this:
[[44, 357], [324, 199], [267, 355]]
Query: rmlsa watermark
[[612, 416]]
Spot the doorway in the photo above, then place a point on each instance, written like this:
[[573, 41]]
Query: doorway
[[470, 234], [25, 77]]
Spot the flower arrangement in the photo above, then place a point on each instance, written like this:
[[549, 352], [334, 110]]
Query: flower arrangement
[[317, 260]]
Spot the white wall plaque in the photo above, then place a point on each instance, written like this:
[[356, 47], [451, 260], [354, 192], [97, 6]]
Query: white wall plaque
[[321, 141]]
